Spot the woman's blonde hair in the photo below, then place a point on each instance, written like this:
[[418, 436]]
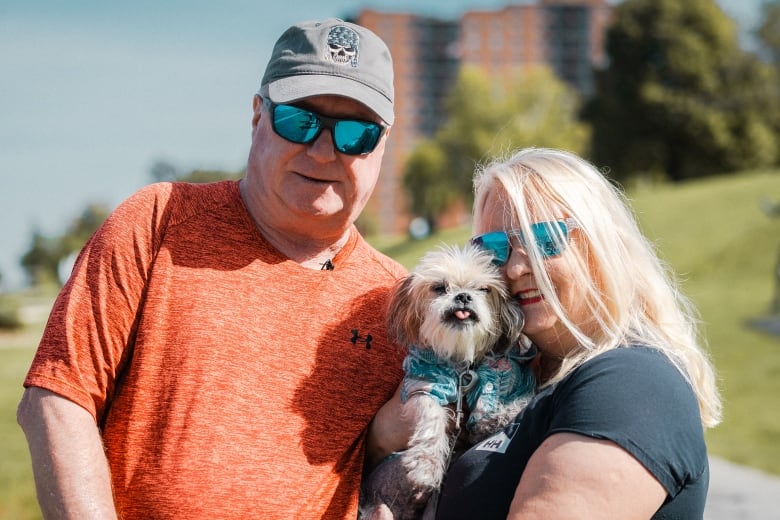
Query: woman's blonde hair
[[632, 295]]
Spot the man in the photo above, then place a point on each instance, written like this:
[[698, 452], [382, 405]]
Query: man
[[219, 350]]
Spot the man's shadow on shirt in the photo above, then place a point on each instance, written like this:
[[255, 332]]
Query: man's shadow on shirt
[[356, 371]]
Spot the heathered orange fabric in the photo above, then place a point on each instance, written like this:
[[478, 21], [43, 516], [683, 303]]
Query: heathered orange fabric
[[224, 376]]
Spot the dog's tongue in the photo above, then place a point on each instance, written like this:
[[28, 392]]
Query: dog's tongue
[[462, 314]]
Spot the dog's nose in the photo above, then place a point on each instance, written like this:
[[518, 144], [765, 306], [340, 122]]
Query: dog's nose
[[463, 298]]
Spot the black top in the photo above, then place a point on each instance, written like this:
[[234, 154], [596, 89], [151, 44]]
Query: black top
[[632, 396]]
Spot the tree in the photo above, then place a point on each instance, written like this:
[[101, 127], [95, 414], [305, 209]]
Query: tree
[[768, 32], [486, 119], [164, 171], [425, 179], [679, 96], [81, 228], [42, 261], [752, 105]]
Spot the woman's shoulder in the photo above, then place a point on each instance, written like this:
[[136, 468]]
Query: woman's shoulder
[[633, 364], [631, 354], [626, 378]]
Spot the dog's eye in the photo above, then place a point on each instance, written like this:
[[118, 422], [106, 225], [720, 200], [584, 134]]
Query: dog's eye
[[485, 289], [439, 288]]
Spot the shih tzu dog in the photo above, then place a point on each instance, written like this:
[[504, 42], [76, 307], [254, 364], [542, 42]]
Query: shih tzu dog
[[466, 358]]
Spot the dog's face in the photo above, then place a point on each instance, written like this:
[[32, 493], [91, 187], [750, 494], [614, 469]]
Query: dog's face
[[456, 303]]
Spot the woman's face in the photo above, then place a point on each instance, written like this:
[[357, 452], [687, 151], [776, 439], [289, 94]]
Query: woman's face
[[542, 324]]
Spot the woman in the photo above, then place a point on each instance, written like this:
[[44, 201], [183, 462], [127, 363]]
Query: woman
[[625, 387]]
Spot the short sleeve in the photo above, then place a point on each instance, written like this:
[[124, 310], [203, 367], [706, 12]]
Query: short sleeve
[[638, 399], [89, 331]]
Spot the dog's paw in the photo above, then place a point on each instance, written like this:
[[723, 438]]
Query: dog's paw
[[390, 493], [424, 469], [496, 421]]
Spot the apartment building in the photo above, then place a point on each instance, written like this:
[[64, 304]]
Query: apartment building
[[566, 35]]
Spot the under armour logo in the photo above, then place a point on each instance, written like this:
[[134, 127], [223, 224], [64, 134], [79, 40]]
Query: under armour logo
[[356, 337]]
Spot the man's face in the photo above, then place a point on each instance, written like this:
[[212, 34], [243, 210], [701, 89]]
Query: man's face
[[310, 190]]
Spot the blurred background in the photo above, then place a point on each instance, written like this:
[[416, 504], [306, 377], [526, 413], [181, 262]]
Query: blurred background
[[679, 102]]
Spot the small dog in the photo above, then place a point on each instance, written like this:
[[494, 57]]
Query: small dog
[[455, 315]]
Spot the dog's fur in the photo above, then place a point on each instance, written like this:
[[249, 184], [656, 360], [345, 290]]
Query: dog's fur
[[455, 303]]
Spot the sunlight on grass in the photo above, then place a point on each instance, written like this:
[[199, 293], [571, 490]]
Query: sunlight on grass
[[17, 490], [715, 235]]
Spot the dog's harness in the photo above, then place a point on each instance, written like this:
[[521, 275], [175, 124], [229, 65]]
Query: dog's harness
[[496, 380], [467, 378], [446, 383]]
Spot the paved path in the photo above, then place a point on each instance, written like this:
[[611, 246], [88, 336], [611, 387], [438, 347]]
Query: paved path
[[741, 493]]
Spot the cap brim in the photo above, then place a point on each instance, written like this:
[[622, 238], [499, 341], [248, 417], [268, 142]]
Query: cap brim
[[294, 88]]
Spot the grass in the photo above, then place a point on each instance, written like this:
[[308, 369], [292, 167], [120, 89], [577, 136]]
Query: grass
[[17, 490], [711, 232], [716, 236]]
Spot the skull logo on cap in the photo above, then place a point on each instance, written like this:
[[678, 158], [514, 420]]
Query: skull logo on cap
[[343, 46]]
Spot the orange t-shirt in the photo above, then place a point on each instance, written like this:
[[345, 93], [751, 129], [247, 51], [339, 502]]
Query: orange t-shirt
[[226, 379]]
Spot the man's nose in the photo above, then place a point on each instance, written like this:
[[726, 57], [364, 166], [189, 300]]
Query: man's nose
[[322, 148]]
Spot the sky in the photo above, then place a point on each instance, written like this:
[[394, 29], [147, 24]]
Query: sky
[[94, 92]]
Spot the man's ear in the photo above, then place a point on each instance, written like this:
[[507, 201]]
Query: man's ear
[[257, 107]]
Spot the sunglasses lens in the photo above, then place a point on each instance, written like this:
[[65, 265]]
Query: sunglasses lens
[[295, 124], [550, 237], [356, 137], [496, 243], [302, 127]]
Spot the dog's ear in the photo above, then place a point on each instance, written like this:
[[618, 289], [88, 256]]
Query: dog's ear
[[403, 312]]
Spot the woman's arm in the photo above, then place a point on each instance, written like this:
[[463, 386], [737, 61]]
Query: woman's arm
[[388, 431], [574, 476], [70, 468]]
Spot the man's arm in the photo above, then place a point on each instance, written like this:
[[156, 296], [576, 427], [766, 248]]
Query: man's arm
[[70, 468]]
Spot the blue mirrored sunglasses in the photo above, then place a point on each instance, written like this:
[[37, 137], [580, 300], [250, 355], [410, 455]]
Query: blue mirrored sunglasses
[[550, 239], [350, 136]]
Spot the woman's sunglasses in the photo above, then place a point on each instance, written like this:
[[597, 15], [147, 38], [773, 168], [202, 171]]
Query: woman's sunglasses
[[550, 239], [350, 136]]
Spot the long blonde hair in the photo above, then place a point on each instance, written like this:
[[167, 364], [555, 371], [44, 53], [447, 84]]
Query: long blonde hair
[[632, 295]]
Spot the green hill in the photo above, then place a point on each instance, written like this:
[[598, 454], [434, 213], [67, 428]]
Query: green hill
[[724, 247], [714, 234]]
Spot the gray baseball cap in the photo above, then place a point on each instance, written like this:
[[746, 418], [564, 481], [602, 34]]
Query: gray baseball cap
[[331, 57]]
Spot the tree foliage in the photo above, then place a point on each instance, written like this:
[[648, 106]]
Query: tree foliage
[[768, 34], [486, 119], [679, 95], [768, 31], [164, 171], [42, 261]]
